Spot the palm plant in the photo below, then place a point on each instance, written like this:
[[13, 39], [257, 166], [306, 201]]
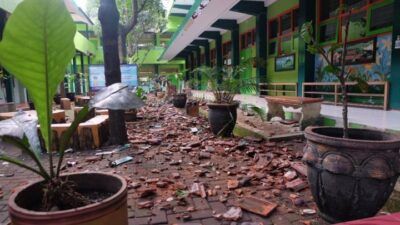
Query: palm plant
[[226, 82], [340, 71], [38, 62]]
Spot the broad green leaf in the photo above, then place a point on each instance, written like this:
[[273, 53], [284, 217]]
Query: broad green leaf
[[36, 48], [66, 137], [24, 147], [307, 32]]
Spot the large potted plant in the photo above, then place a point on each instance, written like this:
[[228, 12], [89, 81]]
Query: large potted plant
[[179, 99], [351, 172], [225, 83], [38, 61]]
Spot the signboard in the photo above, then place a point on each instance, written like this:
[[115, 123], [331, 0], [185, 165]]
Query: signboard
[[129, 76]]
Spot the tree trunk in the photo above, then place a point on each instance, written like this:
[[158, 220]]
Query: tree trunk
[[122, 48], [109, 19]]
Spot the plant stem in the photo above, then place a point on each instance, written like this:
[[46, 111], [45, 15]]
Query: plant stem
[[345, 109], [342, 79]]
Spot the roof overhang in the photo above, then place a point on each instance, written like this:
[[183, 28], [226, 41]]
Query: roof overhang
[[196, 26], [216, 16]]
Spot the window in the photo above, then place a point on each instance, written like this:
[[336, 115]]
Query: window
[[369, 18], [286, 23], [381, 17], [247, 39], [281, 29], [327, 9], [273, 28]]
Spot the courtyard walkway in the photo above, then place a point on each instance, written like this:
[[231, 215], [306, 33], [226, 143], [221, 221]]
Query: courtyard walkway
[[182, 174]]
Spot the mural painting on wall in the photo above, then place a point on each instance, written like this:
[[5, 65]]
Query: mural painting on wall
[[378, 70]]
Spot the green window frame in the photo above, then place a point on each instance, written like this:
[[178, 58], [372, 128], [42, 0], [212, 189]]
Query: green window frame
[[381, 30]]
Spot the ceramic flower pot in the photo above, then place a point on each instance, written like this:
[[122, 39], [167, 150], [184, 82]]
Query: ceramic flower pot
[[112, 210], [351, 178], [222, 118], [179, 100]]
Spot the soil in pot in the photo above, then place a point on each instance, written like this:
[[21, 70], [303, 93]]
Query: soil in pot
[[107, 193], [351, 178], [222, 118], [179, 100]]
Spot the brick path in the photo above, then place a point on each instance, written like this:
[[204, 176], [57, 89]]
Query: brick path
[[157, 143]]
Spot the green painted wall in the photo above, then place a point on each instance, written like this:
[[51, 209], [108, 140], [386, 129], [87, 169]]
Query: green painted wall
[[285, 76], [250, 52], [226, 37]]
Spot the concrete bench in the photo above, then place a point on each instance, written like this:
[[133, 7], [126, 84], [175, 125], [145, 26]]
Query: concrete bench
[[94, 132], [91, 134], [310, 108], [57, 115]]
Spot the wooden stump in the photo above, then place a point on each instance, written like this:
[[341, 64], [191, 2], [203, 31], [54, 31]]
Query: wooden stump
[[86, 138], [65, 103]]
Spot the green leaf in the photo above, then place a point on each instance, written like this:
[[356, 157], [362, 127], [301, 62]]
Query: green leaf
[[331, 69], [307, 32], [20, 164], [66, 137], [334, 47], [312, 49], [36, 48], [23, 146]]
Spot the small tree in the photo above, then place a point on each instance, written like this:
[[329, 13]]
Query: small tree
[[226, 82], [339, 70]]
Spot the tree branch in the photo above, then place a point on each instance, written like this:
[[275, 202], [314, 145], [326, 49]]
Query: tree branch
[[136, 10]]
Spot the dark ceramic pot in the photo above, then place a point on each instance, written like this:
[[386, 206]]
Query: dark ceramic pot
[[71, 96], [112, 210], [351, 178], [179, 100], [57, 99], [222, 118]]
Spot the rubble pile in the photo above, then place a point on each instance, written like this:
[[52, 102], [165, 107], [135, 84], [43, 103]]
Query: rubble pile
[[178, 172]]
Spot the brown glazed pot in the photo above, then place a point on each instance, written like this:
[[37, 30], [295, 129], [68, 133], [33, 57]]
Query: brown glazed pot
[[192, 108], [351, 178], [112, 210], [222, 118]]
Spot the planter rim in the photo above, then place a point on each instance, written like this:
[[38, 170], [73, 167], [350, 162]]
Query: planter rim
[[393, 141], [215, 104], [180, 94], [89, 210]]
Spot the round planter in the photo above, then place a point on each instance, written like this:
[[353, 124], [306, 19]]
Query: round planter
[[192, 108], [112, 210], [222, 118], [351, 178], [71, 96], [179, 100]]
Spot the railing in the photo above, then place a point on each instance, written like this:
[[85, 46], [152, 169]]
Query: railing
[[375, 97], [278, 89]]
